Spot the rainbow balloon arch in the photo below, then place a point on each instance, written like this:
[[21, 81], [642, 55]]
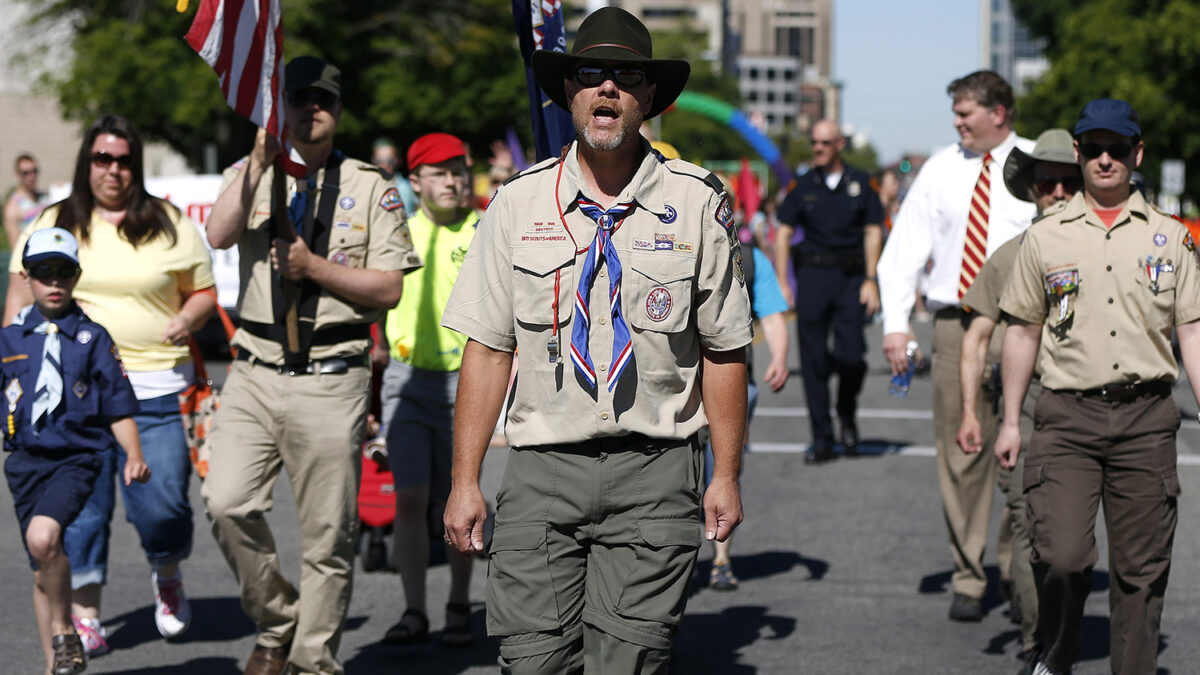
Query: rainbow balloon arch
[[736, 120]]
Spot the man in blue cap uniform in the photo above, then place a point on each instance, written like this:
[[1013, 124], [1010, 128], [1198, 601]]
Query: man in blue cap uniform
[[1097, 287]]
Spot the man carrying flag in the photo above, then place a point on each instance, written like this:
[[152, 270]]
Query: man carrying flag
[[302, 409]]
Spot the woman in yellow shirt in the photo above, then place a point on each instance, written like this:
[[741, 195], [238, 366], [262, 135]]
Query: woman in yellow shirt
[[147, 278]]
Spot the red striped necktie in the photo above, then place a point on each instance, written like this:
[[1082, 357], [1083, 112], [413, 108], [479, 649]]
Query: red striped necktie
[[975, 246]]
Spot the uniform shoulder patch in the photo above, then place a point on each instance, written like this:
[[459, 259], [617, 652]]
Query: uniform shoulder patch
[[724, 214], [715, 183], [391, 200]]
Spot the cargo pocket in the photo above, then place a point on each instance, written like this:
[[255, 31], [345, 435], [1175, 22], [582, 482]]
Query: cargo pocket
[[520, 589], [659, 295], [1171, 486], [656, 584]]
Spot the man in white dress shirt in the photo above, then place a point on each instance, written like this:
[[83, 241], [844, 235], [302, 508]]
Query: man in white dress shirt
[[952, 216]]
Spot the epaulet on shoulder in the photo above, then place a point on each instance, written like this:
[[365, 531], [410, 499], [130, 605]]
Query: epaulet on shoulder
[[1054, 208], [1167, 214], [683, 168], [368, 167], [536, 168]]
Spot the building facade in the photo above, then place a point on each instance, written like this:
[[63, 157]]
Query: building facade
[[1007, 46]]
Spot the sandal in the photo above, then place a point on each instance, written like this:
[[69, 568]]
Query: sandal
[[458, 634], [69, 657], [722, 579], [407, 632]]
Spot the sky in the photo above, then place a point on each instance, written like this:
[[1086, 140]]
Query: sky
[[894, 60]]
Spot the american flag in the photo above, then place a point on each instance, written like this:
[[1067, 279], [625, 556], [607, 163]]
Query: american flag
[[243, 41], [540, 26]]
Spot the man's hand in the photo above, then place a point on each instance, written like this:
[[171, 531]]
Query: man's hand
[[777, 374], [868, 296], [722, 509], [970, 433], [1008, 445], [292, 260], [894, 346], [464, 517], [266, 147]]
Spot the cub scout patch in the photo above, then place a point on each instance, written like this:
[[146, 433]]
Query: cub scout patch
[[339, 258], [1160, 240], [13, 393], [736, 255], [391, 200], [724, 213], [670, 216], [854, 189], [348, 202], [80, 389], [84, 336]]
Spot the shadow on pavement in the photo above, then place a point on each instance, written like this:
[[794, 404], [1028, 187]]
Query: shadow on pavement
[[709, 643], [430, 657], [759, 566], [209, 665], [213, 620]]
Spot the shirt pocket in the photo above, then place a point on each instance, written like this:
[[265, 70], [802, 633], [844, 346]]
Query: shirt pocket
[[542, 277], [1154, 294], [348, 246], [659, 296], [81, 396]]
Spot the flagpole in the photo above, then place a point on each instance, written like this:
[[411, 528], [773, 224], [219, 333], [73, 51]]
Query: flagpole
[[286, 231]]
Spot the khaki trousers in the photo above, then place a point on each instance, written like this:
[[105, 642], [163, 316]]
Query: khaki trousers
[[1011, 485], [312, 426], [1085, 452], [967, 482], [595, 544]]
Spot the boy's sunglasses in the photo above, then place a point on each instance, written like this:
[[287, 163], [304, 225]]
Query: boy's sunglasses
[[1117, 151], [1045, 186], [48, 272]]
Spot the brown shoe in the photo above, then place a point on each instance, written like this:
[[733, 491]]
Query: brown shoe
[[268, 661]]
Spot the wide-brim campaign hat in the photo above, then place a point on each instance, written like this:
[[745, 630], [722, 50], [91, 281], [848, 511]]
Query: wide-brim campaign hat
[[1053, 145], [612, 34]]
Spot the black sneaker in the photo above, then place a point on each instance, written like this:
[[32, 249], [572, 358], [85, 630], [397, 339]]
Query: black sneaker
[[963, 608], [849, 437], [819, 453]]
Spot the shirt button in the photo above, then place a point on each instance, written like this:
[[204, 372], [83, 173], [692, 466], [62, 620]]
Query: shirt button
[[1109, 268], [1114, 366], [603, 320], [1108, 236], [604, 415], [601, 272], [604, 366], [1110, 301], [1113, 333]]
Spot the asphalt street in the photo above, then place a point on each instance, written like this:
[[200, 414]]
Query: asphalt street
[[844, 569]]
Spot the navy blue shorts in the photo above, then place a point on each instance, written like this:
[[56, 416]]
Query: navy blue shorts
[[54, 485]]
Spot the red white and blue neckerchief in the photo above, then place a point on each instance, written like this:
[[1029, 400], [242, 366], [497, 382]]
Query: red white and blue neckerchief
[[601, 250]]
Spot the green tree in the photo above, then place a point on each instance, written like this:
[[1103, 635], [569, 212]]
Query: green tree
[[1142, 51], [409, 67]]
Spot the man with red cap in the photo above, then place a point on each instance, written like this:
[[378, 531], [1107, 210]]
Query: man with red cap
[[617, 274], [420, 381]]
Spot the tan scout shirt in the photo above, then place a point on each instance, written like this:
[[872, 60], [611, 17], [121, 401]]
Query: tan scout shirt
[[1107, 298], [681, 290], [364, 234]]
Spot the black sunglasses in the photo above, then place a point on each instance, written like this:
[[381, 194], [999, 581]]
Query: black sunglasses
[[302, 99], [105, 160], [1117, 151], [1045, 186], [48, 272], [589, 76]]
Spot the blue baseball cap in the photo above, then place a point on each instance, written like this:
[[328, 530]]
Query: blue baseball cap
[[1109, 113], [52, 242]]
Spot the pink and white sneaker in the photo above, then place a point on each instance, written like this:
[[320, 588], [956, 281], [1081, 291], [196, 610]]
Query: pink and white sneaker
[[93, 635], [172, 612]]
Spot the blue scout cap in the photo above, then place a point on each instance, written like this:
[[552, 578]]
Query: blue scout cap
[[1109, 113], [52, 242]]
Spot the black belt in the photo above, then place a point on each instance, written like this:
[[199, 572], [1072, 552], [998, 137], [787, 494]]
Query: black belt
[[332, 335], [832, 260], [948, 313], [332, 366], [1123, 393], [607, 444]]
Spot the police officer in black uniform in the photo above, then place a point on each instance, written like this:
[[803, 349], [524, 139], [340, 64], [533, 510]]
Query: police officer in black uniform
[[834, 263]]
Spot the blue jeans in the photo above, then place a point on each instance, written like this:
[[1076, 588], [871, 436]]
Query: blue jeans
[[751, 403], [159, 510]]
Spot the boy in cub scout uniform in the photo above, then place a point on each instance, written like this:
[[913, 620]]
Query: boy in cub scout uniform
[[1096, 289], [615, 272], [304, 409]]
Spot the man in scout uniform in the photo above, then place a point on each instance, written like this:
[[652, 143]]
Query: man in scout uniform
[[615, 273], [1045, 176], [420, 382], [1096, 289], [835, 271], [301, 405]]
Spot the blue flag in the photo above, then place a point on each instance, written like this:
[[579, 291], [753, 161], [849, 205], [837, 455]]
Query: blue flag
[[540, 26]]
